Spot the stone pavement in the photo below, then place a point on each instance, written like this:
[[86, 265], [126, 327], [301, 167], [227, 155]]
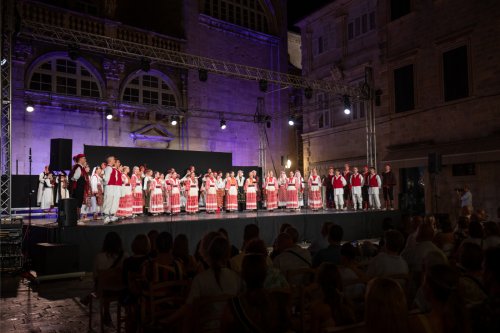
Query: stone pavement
[[51, 306]]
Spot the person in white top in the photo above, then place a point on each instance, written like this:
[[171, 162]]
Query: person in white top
[[112, 190], [374, 184], [41, 184], [356, 183], [466, 198], [97, 192], [47, 199], [338, 182], [388, 261]]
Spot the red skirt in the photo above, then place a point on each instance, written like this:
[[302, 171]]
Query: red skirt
[[125, 206], [220, 197], [211, 202], [282, 196], [192, 204], [156, 202], [315, 199], [231, 202], [251, 201], [292, 199], [175, 203], [271, 200], [137, 203]]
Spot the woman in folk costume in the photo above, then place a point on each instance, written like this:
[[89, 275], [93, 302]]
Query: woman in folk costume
[[126, 201], [271, 189], [87, 195], [256, 181], [41, 184], [156, 195], [175, 193], [282, 183], [314, 197], [203, 190], [338, 182], [299, 177], [136, 184], [47, 197], [62, 187], [97, 198], [191, 186], [251, 192], [220, 183], [211, 193], [292, 192], [231, 193], [165, 189]]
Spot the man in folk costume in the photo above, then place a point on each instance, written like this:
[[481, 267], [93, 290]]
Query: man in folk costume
[[127, 200], [210, 193], [146, 189], [79, 181], [282, 183], [156, 195], [136, 184], [112, 190], [258, 192], [374, 183], [366, 186], [271, 189], [231, 193], [62, 187], [97, 188], [314, 198], [41, 184], [339, 183], [251, 192], [292, 192], [221, 189], [191, 186], [388, 183], [175, 193], [240, 179], [327, 182], [356, 182], [346, 173], [165, 189]]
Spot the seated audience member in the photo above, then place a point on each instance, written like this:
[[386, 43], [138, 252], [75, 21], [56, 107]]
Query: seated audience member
[[386, 310], [168, 268], [411, 241], [256, 309], [292, 256], [234, 250], [181, 254], [470, 282], [475, 234], [461, 231], [275, 251], [250, 232], [152, 240], [486, 316], [444, 239], [388, 261], [141, 248], [491, 235], [334, 309], [332, 252], [274, 278], [322, 241], [202, 252], [349, 272], [447, 312], [481, 215], [432, 259]]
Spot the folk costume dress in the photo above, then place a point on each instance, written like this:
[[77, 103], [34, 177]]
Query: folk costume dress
[[221, 191], [211, 194], [175, 195], [191, 187], [271, 188], [314, 198], [232, 194], [165, 189], [97, 199], [282, 193], [292, 193], [47, 198], [126, 200], [251, 194], [137, 203], [241, 193], [156, 197]]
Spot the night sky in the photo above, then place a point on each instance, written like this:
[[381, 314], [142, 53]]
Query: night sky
[[298, 9]]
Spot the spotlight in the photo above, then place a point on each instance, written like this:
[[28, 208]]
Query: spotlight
[[30, 107], [288, 164], [202, 75], [173, 121], [263, 85], [347, 105], [3, 62], [109, 114], [291, 121], [308, 93], [223, 125], [145, 65]]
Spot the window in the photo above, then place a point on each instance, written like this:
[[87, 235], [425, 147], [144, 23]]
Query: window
[[455, 74], [149, 89], [322, 103], [404, 96], [400, 8], [66, 77], [358, 110], [322, 44], [248, 14], [361, 25]]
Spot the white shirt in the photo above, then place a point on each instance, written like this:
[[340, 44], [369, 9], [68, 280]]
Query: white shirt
[[384, 264], [466, 199], [415, 256], [78, 173], [204, 284]]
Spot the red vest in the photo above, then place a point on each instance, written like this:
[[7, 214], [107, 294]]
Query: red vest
[[366, 176], [115, 178], [356, 180], [373, 181], [337, 182]]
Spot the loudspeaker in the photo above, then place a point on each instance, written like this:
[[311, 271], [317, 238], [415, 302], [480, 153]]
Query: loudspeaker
[[60, 154], [66, 213], [52, 258], [434, 163]]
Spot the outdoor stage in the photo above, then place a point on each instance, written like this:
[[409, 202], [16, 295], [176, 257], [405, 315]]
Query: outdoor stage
[[89, 237]]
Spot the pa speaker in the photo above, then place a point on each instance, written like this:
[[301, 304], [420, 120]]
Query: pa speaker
[[66, 213], [51, 258], [434, 163], [60, 154]]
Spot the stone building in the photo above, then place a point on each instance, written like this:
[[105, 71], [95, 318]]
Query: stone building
[[72, 89], [436, 90]]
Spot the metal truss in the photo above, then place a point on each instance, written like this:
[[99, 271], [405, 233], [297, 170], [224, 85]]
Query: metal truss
[[117, 47], [6, 108]]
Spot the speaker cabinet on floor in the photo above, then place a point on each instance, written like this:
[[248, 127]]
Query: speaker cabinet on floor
[[60, 154], [53, 258], [66, 215]]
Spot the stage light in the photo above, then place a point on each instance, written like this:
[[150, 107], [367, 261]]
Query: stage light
[[202, 75], [109, 114], [30, 107], [288, 164], [291, 121], [347, 105], [223, 125], [145, 65], [263, 85], [173, 121], [3, 62], [308, 93]]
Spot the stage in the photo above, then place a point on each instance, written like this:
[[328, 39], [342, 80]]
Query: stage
[[89, 237]]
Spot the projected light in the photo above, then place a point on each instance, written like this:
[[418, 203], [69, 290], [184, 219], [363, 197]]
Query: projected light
[[109, 114], [223, 125], [30, 107]]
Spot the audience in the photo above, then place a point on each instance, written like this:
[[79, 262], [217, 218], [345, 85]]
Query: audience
[[388, 261], [291, 257], [274, 278], [152, 240], [180, 251], [444, 239], [471, 282], [332, 252], [491, 235], [233, 249], [353, 278], [475, 233], [250, 233], [322, 241], [166, 267]]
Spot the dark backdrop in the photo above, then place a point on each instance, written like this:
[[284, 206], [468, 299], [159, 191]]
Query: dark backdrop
[[21, 188], [160, 159]]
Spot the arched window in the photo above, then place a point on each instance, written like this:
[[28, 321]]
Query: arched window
[[64, 76], [246, 13], [149, 88]]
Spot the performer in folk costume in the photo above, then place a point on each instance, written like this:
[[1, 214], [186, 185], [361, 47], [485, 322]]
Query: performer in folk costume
[[339, 183], [41, 184], [79, 181], [87, 196], [62, 187], [175, 193], [156, 195], [203, 190], [258, 192], [251, 192], [191, 186], [301, 188], [221, 185], [97, 188], [314, 198], [328, 183], [136, 184], [146, 188], [47, 198], [231, 193], [365, 187], [165, 190], [356, 182], [240, 179], [125, 206], [211, 193], [112, 190], [271, 189], [388, 183], [346, 173], [292, 192], [374, 184], [282, 194]]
